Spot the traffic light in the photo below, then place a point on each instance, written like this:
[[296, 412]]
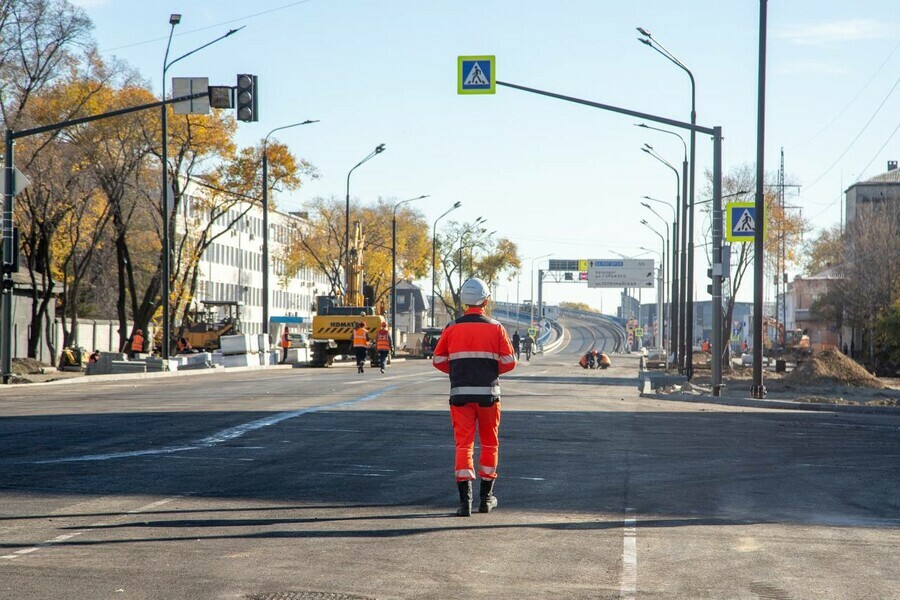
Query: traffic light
[[247, 105]]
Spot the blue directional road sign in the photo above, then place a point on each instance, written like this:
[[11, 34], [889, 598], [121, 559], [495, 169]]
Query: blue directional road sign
[[740, 221], [476, 75]]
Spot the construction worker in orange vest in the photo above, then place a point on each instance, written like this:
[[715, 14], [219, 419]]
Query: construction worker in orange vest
[[474, 350], [285, 343], [383, 344], [360, 345], [137, 342]]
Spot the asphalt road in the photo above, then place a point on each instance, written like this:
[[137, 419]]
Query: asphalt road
[[250, 484]]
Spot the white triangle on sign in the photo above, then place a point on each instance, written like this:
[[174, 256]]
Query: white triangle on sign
[[476, 76], [745, 223]]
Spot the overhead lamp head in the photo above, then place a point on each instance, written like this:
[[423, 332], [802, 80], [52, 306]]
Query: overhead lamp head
[[457, 204], [174, 19], [644, 125], [644, 222], [645, 150], [643, 32], [649, 147], [645, 204], [645, 41], [379, 148]]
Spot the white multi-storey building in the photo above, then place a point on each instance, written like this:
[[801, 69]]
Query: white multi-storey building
[[231, 267]]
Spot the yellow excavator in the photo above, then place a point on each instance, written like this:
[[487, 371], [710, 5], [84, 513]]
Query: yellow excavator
[[338, 315]]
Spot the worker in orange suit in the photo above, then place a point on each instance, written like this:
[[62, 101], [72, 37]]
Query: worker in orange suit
[[474, 350], [137, 343], [360, 345], [383, 344]]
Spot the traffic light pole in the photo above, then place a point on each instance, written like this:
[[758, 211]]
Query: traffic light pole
[[8, 210]]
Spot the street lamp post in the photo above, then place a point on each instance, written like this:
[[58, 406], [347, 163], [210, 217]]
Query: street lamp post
[[378, 150], [659, 338], [673, 275], [665, 243], [688, 333], [679, 256], [394, 266], [174, 19], [675, 295], [265, 222], [434, 257]]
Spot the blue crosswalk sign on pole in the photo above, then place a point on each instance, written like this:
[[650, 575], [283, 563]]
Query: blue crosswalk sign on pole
[[740, 220], [476, 75]]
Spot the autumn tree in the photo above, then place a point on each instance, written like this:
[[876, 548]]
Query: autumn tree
[[468, 250], [871, 273], [824, 251], [781, 228], [319, 244]]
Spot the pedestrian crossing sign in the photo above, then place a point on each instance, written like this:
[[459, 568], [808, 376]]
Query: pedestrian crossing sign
[[740, 221], [476, 75]]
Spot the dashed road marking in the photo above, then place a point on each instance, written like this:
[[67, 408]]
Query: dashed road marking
[[67, 536], [628, 583]]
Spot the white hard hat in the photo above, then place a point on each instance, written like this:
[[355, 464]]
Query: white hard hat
[[474, 292]]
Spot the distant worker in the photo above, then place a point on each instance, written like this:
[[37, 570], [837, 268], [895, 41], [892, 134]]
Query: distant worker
[[603, 361], [475, 351], [183, 345], [529, 346], [360, 345], [383, 344], [285, 343], [94, 357], [137, 343], [517, 344], [744, 346]]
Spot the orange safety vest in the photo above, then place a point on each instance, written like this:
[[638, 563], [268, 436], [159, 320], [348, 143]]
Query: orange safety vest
[[360, 337], [137, 343], [383, 340], [285, 340]]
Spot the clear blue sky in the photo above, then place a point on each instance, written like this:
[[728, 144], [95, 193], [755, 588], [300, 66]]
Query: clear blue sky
[[552, 176]]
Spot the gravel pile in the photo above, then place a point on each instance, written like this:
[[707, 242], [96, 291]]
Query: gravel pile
[[831, 367]]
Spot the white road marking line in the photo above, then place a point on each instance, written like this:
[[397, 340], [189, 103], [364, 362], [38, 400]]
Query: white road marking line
[[68, 536], [222, 436], [628, 583]]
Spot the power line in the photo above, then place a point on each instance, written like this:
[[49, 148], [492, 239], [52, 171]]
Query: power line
[[213, 26], [849, 104]]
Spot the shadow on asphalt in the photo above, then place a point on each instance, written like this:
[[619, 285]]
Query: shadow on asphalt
[[675, 468]]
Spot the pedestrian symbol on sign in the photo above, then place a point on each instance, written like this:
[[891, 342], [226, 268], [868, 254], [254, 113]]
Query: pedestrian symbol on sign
[[745, 224], [476, 76]]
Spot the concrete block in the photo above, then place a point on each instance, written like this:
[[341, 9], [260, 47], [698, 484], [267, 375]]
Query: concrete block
[[239, 344], [240, 360], [119, 367], [263, 342]]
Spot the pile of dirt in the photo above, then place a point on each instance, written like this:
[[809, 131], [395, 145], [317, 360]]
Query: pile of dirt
[[26, 366], [831, 367]]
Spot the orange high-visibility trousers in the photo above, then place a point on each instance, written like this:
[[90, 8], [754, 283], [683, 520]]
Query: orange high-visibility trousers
[[465, 418]]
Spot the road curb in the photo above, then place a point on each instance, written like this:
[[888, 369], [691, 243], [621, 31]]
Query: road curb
[[778, 404]]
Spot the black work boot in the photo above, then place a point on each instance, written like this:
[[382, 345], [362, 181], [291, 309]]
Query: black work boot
[[488, 499], [465, 499]]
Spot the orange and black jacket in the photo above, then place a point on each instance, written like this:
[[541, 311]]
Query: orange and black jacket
[[475, 351]]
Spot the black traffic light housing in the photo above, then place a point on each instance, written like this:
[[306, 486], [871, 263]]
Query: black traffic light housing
[[247, 98]]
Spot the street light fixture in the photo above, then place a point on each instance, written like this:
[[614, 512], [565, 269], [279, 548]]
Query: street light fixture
[[649, 40], [394, 265], [265, 222], [663, 267], [378, 150], [456, 205], [174, 19]]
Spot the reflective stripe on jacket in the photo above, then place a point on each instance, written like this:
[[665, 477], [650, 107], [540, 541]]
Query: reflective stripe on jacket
[[360, 337], [475, 351], [383, 340]]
